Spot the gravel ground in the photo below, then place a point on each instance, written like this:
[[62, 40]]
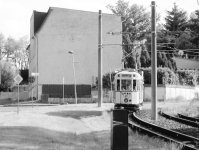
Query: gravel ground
[[189, 108]]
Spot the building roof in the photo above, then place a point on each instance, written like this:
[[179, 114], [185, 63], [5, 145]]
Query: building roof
[[41, 17]]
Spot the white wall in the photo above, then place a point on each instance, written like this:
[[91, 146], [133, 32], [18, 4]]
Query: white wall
[[161, 91], [65, 30], [170, 92], [180, 92]]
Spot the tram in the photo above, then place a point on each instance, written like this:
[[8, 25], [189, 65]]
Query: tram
[[128, 91]]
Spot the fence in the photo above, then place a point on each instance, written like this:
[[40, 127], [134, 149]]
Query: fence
[[9, 97]]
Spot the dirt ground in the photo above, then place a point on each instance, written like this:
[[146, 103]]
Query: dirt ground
[[75, 118], [80, 118], [72, 126]]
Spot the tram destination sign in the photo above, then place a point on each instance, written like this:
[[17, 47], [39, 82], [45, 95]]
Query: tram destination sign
[[126, 75]]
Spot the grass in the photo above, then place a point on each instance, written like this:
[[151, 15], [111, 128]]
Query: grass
[[144, 142], [32, 138], [191, 108]]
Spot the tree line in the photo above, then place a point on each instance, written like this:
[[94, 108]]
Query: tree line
[[14, 58], [177, 37], [14, 51]]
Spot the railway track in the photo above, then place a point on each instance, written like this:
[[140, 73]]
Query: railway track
[[182, 119], [188, 118], [186, 142]]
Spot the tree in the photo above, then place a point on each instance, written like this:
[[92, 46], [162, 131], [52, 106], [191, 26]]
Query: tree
[[176, 19], [145, 58], [193, 25], [21, 54], [2, 41], [108, 79], [193, 22], [165, 49], [183, 41], [7, 76], [135, 25], [9, 47], [15, 51]]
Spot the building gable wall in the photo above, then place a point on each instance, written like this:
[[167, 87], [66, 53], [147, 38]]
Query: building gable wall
[[72, 30]]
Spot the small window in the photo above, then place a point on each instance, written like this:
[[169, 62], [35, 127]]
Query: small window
[[134, 85], [118, 85]]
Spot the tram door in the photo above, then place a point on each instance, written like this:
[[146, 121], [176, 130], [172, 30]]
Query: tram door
[[126, 90], [117, 91], [135, 92]]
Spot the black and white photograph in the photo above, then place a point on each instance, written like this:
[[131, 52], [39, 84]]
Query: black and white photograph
[[99, 75]]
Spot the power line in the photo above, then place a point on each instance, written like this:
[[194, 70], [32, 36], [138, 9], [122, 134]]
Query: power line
[[138, 44], [158, 51]]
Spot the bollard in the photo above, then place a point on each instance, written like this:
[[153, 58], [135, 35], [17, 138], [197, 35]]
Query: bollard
[[119, 129]]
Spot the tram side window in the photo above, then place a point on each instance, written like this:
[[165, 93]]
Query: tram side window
[[118, 85], [134, 85]]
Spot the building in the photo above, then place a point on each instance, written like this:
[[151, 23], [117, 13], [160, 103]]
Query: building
[[56, 32], [186, 64]]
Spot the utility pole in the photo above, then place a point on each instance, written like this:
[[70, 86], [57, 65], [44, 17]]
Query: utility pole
[[100, 92], [153, 63], [0, 67]]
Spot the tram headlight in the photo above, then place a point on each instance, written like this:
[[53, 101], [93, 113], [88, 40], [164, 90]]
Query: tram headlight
[[126, 100]]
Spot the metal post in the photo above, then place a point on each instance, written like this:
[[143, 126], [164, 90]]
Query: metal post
[[18, 100], [153, 62], [100, 94], [0, 66], [111, 99], [63, 89], [74, 79], [32, 94]]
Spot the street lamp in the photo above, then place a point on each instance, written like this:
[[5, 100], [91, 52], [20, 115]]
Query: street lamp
[[72, 53]]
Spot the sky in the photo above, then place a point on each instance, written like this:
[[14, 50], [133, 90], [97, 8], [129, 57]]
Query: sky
[[15, 14]]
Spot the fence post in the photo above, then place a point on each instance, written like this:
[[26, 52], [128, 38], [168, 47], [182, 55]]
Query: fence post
[[119, 129]]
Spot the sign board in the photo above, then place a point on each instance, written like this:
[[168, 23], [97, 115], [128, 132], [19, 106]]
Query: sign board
[[34, 74], [18, 79]]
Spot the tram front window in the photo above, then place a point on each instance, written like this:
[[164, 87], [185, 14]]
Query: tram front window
[[126, 85]]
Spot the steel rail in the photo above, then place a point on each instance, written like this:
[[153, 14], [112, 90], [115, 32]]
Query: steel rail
[[184, 140], [145, 131], [180, 120], [188, 118]]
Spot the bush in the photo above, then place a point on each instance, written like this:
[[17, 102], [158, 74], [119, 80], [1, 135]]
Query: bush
[[7, 76], [188, 77], [164, 76], [106, 80]]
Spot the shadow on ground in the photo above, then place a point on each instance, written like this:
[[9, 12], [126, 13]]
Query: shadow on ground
[[75, 114], [34, 138]]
